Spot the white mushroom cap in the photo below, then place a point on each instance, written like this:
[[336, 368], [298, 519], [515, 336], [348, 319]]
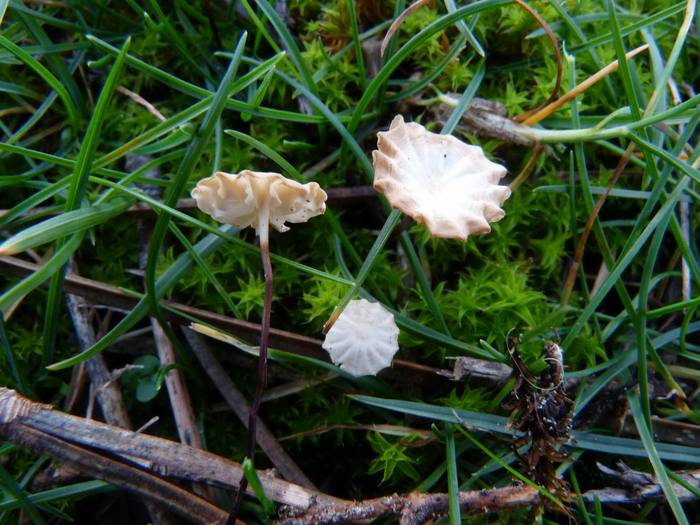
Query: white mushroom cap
[[364, 339], [252, 198], [441, 182]]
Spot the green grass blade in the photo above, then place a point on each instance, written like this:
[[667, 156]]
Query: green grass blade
[[45, 272], [254, 481], [374, 252], [455, 514], [356, 43], [10, 361], [62, 226], [623, 263], [76, 191], [654, 459], [11, 486], [465, 100], [207, 271], [479, 421], [189, 162], [510, 469], [84, 488], [289, 44], [165, 282], [464, 29], [45, 74]]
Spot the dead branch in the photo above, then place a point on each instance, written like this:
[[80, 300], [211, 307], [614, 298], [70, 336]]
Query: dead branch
[[175, 499], [19, 415], [137, 462], [107, 392], [415, 508]]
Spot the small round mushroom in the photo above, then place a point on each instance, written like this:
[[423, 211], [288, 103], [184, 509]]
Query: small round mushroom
[[364, 339], [443, 183]]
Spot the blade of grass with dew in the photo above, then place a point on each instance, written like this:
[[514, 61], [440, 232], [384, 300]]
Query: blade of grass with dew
[[659, 469]]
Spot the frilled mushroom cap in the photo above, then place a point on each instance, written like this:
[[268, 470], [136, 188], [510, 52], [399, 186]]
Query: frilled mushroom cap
[[245, 198], [441, 182], [364, 339]]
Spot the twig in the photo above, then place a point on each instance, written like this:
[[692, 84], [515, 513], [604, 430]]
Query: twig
[[396, 24], [235, 399], [415, 508], [15, 414], [177, 390], [162, 457], [103, 386], [142, 102], [67, 437], [107, 391], [547, 110]]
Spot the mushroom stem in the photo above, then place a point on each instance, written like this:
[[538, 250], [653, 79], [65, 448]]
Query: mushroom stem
[[263, 232]]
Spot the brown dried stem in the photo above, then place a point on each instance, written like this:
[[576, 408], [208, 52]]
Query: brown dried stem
[[261, 382]]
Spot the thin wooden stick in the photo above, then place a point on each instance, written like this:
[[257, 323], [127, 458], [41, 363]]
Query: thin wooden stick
[[547, 110], [172, 497]]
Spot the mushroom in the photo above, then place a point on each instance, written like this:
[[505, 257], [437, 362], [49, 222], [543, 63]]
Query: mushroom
[[259, 199], [364, 338], [443, 183]]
